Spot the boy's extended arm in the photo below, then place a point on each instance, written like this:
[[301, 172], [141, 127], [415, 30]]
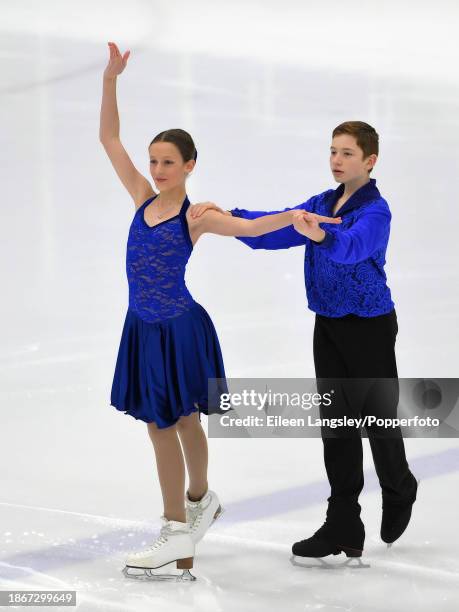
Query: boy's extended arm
[[367, 235], [279, 239]]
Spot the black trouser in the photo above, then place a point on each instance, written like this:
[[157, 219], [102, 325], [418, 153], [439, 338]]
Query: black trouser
[[360, 347]]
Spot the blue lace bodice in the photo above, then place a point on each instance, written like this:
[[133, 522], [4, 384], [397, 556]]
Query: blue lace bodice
[[156, 259]]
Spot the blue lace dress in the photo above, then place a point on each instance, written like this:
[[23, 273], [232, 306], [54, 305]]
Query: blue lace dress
[[169, 347]]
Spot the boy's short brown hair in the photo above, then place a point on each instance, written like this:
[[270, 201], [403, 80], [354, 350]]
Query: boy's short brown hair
[[366, 136]]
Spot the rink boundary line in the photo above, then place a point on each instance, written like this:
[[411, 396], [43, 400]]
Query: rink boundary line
[[141, 524], [297, 497], [258, 545], [79, 514], [285, 500], [426, 570]]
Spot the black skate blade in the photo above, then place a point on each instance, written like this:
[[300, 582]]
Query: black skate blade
[[138, 573], [351, 562]]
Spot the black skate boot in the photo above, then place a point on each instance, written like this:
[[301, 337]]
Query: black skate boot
[[395, 519], [329, 540]]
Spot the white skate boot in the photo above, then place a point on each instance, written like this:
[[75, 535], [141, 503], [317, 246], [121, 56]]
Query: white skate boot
[[201, 514], [173, 544]]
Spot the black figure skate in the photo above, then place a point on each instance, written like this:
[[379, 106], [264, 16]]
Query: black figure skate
[[395, 519], [326, 542]]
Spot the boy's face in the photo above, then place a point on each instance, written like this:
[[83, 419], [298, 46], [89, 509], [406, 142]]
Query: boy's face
[[346, 159]]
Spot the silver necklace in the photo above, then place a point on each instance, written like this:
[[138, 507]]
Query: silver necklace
[[160, 215]]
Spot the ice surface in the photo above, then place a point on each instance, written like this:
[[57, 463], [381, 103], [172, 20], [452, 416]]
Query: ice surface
[[260, 86]]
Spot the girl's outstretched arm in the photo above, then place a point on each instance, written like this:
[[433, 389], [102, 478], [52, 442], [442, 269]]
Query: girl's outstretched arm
[[225, 225], [280, 239]]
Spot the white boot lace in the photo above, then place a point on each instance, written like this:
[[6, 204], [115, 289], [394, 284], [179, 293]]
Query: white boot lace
[[196, 510], [161, 540]]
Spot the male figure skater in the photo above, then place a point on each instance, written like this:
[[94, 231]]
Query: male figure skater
[[354, 333]]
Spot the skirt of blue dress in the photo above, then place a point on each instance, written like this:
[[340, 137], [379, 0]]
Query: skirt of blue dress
[[163, 369]]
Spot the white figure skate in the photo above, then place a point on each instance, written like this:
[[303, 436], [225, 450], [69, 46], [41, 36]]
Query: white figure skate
[[200, 515], [174, 544]]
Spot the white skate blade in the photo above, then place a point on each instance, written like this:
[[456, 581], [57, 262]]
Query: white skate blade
[[351, 562], [220, 510], [140, 573]]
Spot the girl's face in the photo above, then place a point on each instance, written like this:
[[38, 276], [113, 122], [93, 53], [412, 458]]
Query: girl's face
[[346, 159], [167, 167]]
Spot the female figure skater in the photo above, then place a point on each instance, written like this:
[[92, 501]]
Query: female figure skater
[[169, 347]]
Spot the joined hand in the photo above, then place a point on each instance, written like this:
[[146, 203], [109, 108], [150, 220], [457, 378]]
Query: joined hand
[[307, 223]]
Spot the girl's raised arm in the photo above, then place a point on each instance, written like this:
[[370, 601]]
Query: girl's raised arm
[[139, 188]]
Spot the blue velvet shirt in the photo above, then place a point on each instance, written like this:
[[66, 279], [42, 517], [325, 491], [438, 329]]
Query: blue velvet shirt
[[344, 274]]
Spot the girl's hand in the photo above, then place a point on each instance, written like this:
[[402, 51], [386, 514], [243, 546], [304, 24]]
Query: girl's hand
[[307, 223], [196, 210], [116, 63]]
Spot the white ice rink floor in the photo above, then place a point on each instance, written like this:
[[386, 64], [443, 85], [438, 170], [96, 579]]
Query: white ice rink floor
[[260, 87]]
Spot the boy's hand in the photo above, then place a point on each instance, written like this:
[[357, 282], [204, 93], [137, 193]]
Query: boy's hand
[[196, 210], [307, 223]]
